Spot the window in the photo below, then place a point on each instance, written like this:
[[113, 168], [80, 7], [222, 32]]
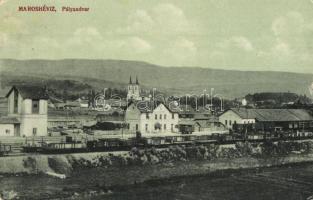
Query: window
[[146, 127], [147, 116], [15, 102], [34, 131], [173, 116], [157, 126], [225, 122], [230, 122], [160, 116], [35, 106], [172, 127], [164, 116], [295, 125], [164, 127], [136, 127], [302, 125], [7, 131], [155, 116]]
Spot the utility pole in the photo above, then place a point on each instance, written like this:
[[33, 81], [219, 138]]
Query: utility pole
[[222, 105], [212, 89], [186, 104], [204, 94], [153, 96], [104, 97]]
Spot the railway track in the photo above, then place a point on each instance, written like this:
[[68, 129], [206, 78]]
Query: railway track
[[117, 144]]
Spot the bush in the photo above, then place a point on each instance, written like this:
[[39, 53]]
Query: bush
[[30, 163], [59, 165], [244, 148]]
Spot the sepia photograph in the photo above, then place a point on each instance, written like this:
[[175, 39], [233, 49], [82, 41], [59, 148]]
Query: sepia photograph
[[156, 100]]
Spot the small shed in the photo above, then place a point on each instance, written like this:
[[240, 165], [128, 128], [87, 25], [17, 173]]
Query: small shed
[[9, 126]]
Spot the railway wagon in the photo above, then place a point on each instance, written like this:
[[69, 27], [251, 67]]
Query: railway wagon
[[114, 144], [64, 147]]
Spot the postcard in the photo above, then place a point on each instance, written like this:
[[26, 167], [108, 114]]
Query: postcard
[[156, 99]]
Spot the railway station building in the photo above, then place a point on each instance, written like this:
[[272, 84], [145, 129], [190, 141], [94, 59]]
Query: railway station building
[[145, 118], [267, 120]]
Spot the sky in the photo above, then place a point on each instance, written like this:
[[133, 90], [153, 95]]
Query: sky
[[225, 34]]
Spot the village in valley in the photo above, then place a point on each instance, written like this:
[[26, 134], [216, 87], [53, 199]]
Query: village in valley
[[34, 119], [156, 99]]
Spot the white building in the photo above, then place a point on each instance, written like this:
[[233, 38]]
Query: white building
[[83, 103], [9, 126], [28, 104], [231, 117], [142, 117], [268, 120]]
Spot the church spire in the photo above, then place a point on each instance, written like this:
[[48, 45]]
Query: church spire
[[137, 81], [130, 80]]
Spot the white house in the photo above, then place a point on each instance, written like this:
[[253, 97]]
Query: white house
[[28, 104], [236, 116], [142, 117]]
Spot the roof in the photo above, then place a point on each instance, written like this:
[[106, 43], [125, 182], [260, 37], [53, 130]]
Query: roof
[[142, 106], [211, 119], [72, 104], [274, 114], [30, 92], [200, 116], [203, 124], [54, 99], [9, 120], [186, 122], [147, 106], [59, 104], [131, 82]]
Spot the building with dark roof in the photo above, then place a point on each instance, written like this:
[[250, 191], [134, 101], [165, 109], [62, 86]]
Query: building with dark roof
[[30, 92], [268, 120], [186, 111], [201, 125], [29, 105]]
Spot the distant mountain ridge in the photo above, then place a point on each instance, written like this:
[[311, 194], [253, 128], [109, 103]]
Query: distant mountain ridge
[[176, 80]]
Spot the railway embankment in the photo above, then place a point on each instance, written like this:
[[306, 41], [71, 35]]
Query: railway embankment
[[139, 165]]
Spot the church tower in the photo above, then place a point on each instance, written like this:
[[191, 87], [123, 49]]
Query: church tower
[[133, 89]]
